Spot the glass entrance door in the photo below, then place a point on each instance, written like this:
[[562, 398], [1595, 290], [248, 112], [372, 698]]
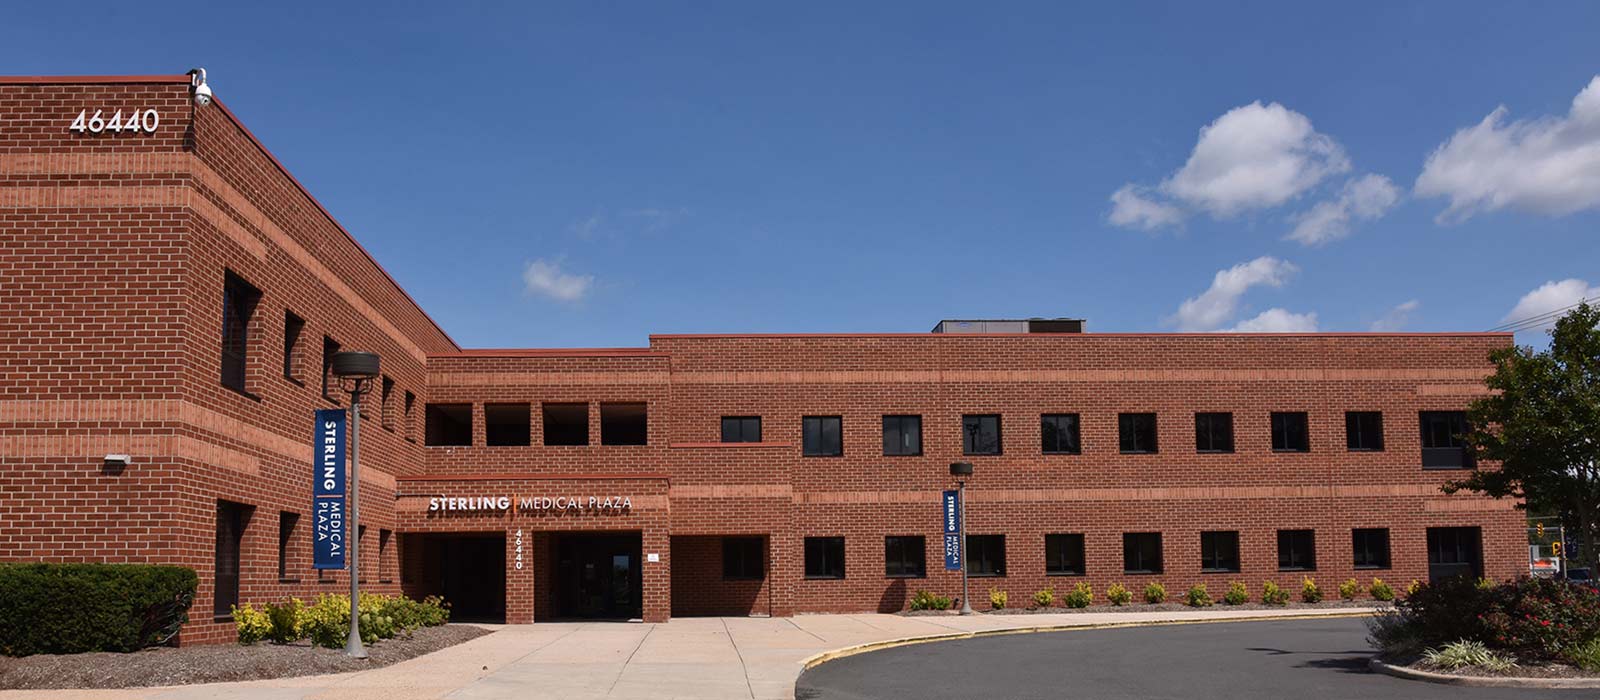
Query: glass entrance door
[[598, 576]]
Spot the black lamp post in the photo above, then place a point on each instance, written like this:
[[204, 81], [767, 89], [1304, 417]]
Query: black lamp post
[[962, 470], [355, 372]]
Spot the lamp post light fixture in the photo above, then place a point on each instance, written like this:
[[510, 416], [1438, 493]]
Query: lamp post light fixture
[[962, 470], [355, 372]]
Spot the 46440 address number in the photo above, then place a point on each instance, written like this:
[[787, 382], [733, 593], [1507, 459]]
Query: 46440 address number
[[97, 123]]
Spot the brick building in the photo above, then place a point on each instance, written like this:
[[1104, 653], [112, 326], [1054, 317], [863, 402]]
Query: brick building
[[168, 291]]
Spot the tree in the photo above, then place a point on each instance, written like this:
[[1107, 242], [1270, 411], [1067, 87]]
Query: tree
[[1542, 424]]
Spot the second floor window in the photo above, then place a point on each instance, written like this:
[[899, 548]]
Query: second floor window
[[1444, 444], [239, 301], [980, 434], [741, 428], [1136, 432], [1363, 431], [330, 347], [1290, 432], [292, 327], [821, 436], [1213, 432], [902, 436], [1058, 434]]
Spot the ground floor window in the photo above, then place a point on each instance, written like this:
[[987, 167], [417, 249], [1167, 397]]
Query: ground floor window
[[1063, 555], [1371, 547], [1454, 551], [1219, 551], [904, 557], [286, 525], [1297, 550], [231, 520], [986, 555], [824, 557], [743, 558], [1141, 552]]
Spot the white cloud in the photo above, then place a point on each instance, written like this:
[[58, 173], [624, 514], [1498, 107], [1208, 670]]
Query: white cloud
[[546, 279], [1549, 165], [1278, 321], [1131, 209], [1550, 297], [1255, 157], [1364, 198], [1397, 317], [1216, 306]]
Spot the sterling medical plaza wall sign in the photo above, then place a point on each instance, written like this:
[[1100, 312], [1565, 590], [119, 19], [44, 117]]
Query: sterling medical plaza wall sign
[[531, 504]]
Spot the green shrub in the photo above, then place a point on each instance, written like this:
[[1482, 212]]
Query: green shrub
[[1381, 590], [1154, 593], [1237, 594], [73, 608], [1309, 591], [928, 600], [1485, 583], [1414, 586], [327, 621], [1045, 598], [1349, 589], [1198, 597], [1081, 596], [1466, 653], [1272, 594], [1118, 595], [285, 619], [1586, 656], [1530, 617], [997, 599], [253, 625]]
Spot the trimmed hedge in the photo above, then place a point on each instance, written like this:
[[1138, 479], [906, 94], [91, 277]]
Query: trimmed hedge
[[74, 608]]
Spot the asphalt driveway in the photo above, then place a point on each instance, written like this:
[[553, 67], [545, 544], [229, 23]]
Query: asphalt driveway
[[1233, 661]]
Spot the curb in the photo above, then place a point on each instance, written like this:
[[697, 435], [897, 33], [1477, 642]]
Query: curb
[[818, 659], [1479, 681]]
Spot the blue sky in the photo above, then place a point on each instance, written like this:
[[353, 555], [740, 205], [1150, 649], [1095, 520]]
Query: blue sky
[[584, 174]]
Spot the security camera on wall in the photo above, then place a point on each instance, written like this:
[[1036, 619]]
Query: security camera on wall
[[202, 91]]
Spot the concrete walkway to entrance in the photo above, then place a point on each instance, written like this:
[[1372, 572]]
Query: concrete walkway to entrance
[[751, 658]]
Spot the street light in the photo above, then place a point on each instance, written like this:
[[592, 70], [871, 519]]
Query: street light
[[355, 372], [962, 470]]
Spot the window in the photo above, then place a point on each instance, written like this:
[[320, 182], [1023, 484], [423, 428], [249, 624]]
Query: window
[[903, 557], [566, 424], [411, 400], [1371, 547], [383, 555], [231, 521], [1363, 431], [824, 557], [329, 348], [980, 435], [1219, 552], [624, 423], [1289, 432], [1141, 552], [239, 301], [819, 436], [1137, 432], [508, 425], [1454, 551], [361, 548], [741, 428], [448, 424], [1297, 550], [1063, 555], [902, 436], [1213, 432], [1058, 434], [292, 326], [385, 407], [286, 524], [743, 558], [1443, 446], [986, 555]]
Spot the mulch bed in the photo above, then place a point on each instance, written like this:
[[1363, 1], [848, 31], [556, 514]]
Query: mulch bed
[[1159, 607], [1523, 669], [159, 666]]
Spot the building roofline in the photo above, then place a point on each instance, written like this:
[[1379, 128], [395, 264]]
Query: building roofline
[[954, 336], [550, 352], [85, 79]]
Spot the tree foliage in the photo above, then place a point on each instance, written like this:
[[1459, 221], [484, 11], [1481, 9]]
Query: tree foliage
[[1542, 424]]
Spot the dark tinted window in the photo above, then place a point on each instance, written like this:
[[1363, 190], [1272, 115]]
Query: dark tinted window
[[508, 424], [566, 424], [741, 428], [824, 557], [986, 555], [1443, 443], [1141, 552], [292, 327], [1137, 432], [980, 434], [743, 558], [239, 301], [1058, 434], [1363, 430], [231, 521], [1454, 551], [903, 557], [447, 424], [384, 406], [1290, 432], [1219, 551], [330, 347], [1371, 547], [286, 524], [820, 436], [1297, 550], [1213, 432], [624, 423], [902, 435], [1063, 555]]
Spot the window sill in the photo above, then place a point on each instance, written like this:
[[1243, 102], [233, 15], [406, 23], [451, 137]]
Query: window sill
[[1366, 449], [1214, 452], [824, 578], [809, 456], [1297, 568], [1447, 469], [1219, 571], [226, 618], [294, 381], [999, 575], [744, 578], [1138, 452], [1372, 567], [1126, 572], [1061, 454], [242, 392], [905, 576], [1064, 573], [907, 454], [981, 454], [283, 579], [1290, 452], [385, 580], [445, 445]]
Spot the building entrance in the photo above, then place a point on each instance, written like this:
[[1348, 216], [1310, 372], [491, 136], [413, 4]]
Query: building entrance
[[598, 576], [468, 570]]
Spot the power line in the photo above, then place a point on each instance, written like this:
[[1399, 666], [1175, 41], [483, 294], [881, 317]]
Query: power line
[[1537, 320]]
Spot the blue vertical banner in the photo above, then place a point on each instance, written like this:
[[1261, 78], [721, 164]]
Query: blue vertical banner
[[327, 491], [952, 530]]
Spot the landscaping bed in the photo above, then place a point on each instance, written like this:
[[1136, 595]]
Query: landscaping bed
[[158, 666]]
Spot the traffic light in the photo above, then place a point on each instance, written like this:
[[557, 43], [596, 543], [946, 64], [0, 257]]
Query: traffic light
[[1538, 530]]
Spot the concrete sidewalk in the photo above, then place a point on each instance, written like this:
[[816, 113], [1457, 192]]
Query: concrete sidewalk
[[686, 658]]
